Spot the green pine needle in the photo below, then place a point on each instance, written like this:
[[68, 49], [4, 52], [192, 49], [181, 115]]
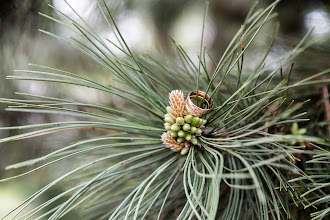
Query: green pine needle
[[245, 166]]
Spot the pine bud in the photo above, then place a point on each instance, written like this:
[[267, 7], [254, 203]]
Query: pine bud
[[188, 118], [180, 140], [167, 126], [184, 151], [169, 120], [188, 137], [174, 134], [194, 141], [177, 103], [175, 127], [200, 122], [186, 127], [171, 143], [169, 109], [181, 133], [294, 128], [195, 121], [180, 121], [198, 131], [193, 130], [302, 131]]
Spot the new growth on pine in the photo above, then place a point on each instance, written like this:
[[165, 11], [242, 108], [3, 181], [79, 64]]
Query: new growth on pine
[[211, 139]]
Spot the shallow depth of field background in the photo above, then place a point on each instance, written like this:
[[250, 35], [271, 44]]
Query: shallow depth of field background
[[145, 25]]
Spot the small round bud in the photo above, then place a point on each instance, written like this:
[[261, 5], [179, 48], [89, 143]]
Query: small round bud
[[204, 122], [198, 131], [167, 115], [194, 141], [179, 120], [184, 151], [195, 121], [294, 128], [169, 120], [200, 122], [175, 127], [174, 134], [180, 140], [188, 118], [186, 127], [181, 133], [168, 109], [167, 126], [188, 137], [302, 131], [193, 130]]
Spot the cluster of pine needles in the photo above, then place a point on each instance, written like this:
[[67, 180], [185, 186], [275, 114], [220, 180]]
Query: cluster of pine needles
[[259, 158]]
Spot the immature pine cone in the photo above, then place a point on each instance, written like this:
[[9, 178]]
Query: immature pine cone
[[177, 103], [171, 143]]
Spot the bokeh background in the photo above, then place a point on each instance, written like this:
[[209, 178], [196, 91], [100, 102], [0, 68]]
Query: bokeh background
[[145, 24]]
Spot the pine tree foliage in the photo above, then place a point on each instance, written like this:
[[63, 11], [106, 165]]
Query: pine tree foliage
[[247, 164]]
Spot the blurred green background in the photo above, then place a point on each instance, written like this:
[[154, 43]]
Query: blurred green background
[[145, 24]]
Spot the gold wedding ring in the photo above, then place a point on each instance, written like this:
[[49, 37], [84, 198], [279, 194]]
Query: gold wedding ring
[[195, 110]]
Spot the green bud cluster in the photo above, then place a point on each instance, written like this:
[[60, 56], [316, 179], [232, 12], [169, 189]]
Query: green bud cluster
[[184, 128]]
